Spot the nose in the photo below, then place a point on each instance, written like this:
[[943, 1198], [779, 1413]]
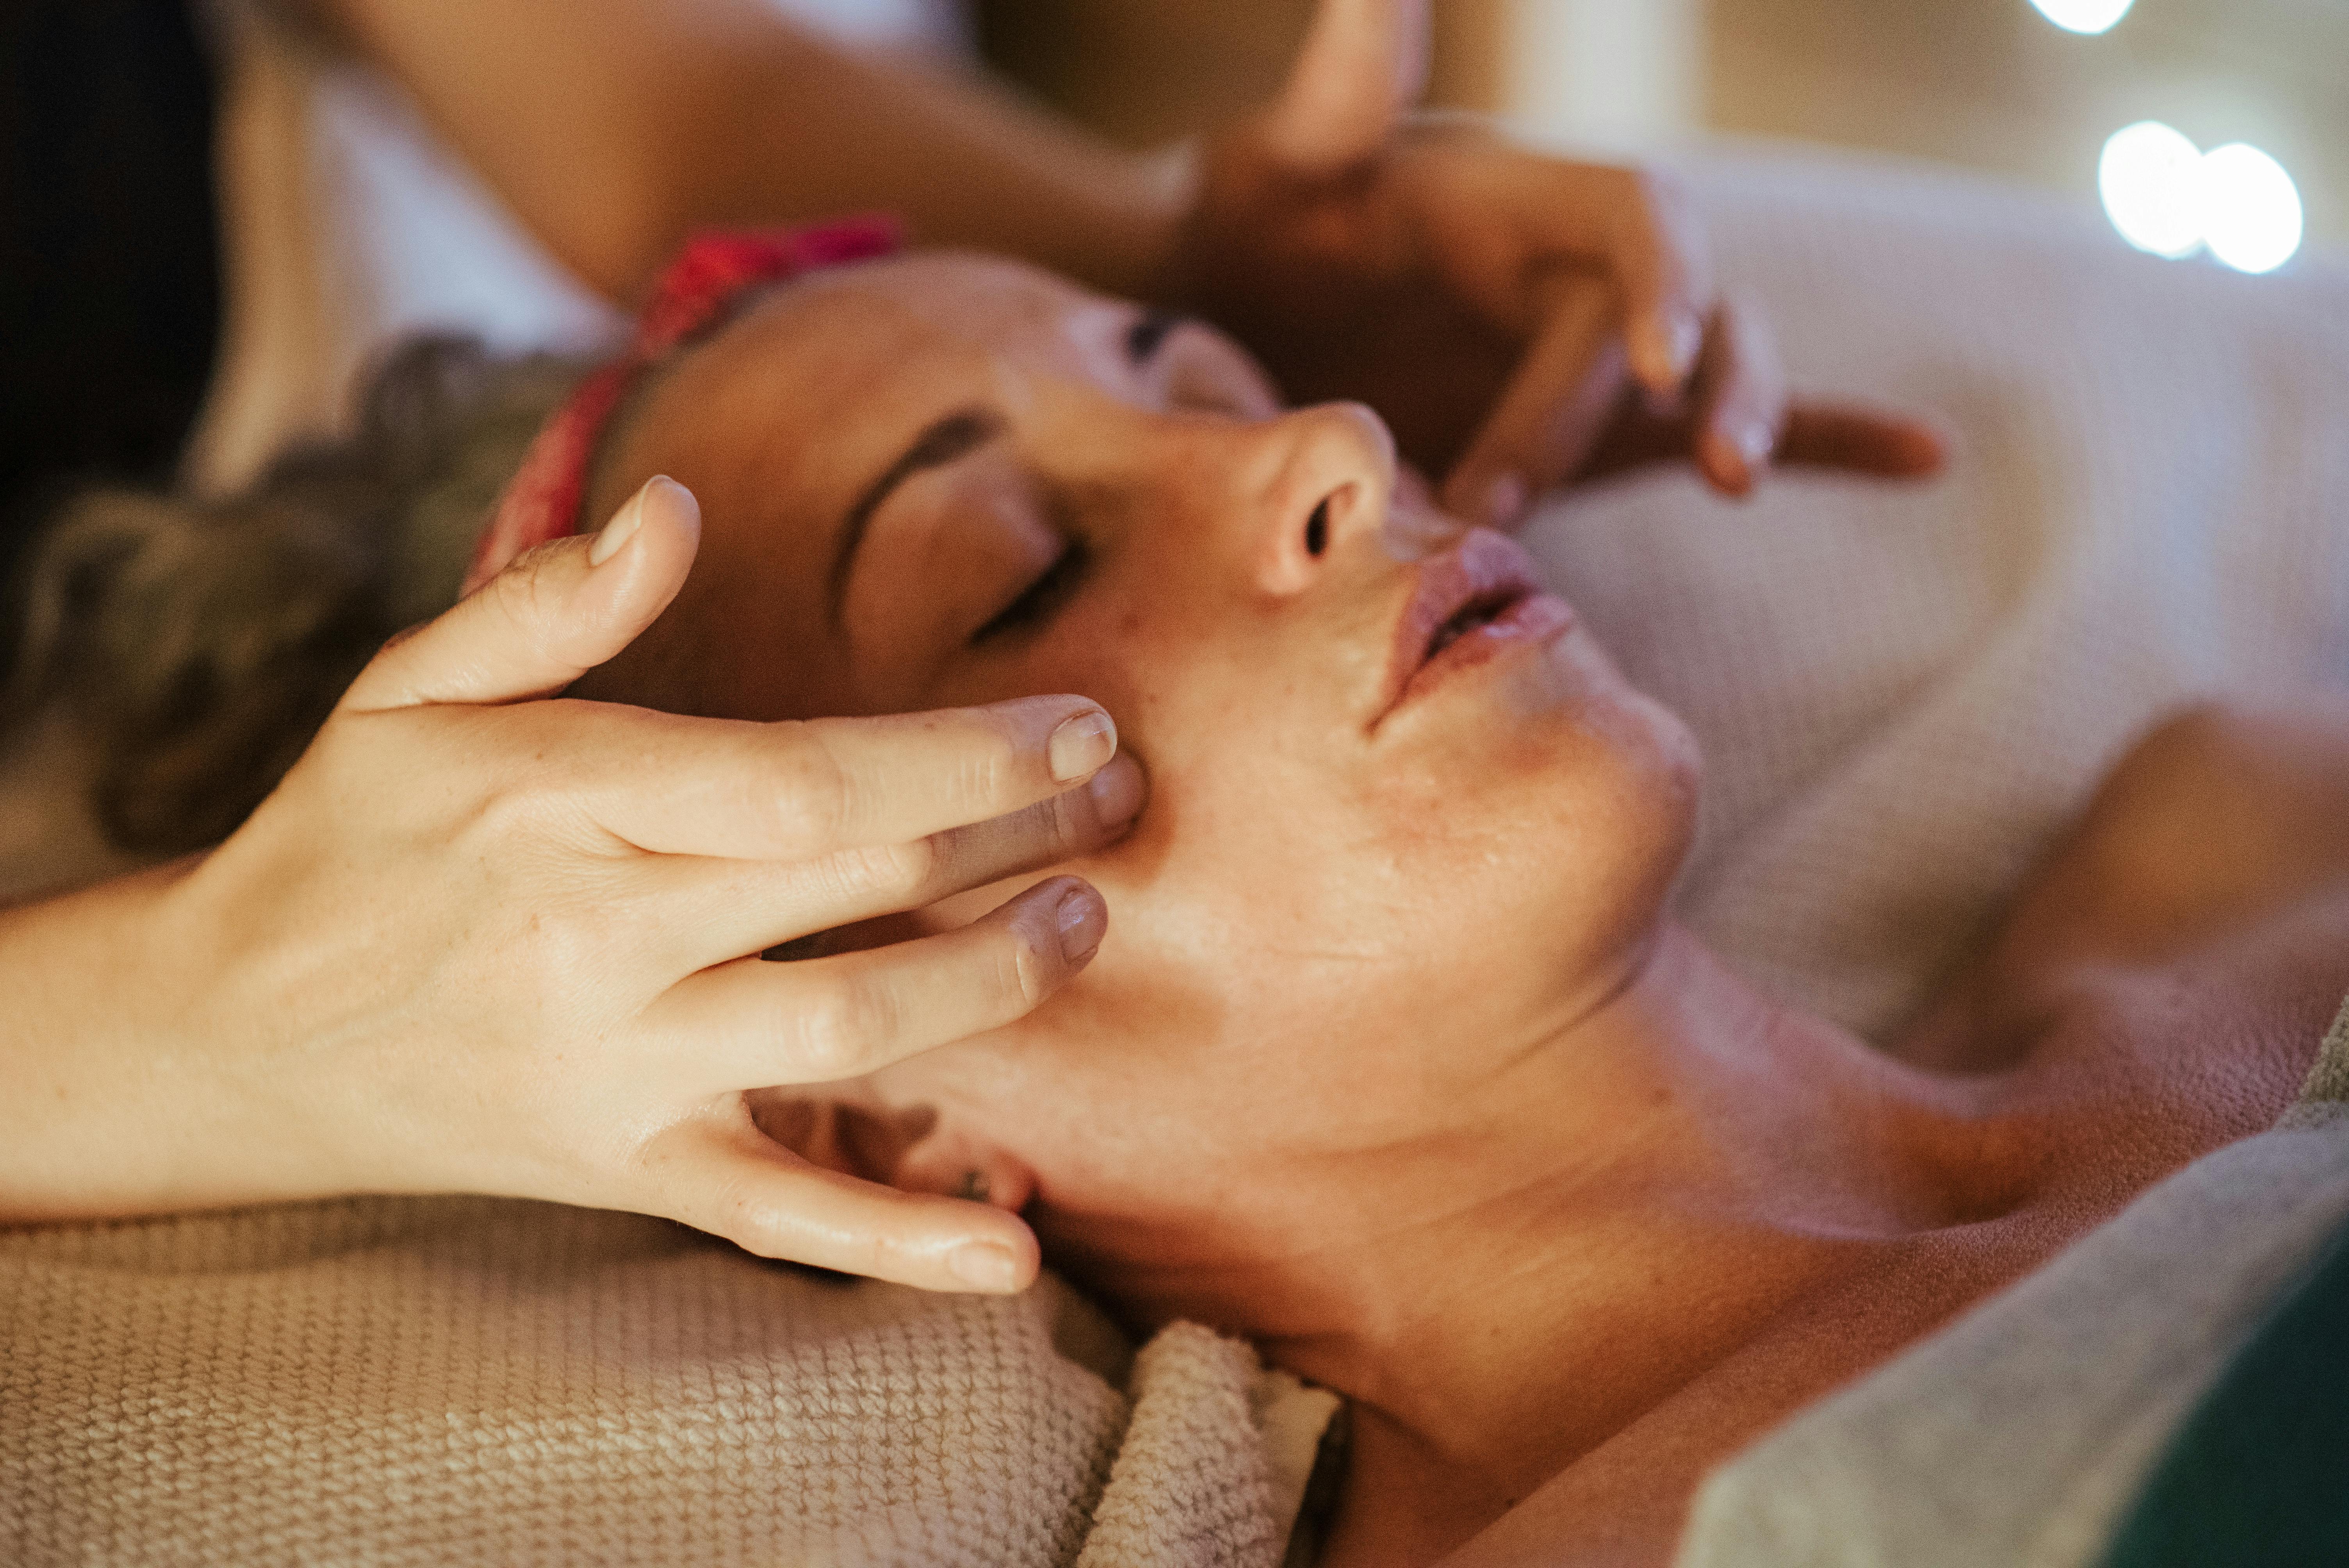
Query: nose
[[1328, 475]]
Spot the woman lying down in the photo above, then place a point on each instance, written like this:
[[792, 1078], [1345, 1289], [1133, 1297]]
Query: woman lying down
[[1392, 1061]]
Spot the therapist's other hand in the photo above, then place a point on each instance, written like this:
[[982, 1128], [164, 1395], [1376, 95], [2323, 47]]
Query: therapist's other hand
[[1735, 419], [482, 939], [1521, 321]]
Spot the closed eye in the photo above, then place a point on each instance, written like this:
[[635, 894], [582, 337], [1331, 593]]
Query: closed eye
[[1038, 601]]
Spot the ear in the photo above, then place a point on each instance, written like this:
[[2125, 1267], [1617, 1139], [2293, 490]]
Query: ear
[[1363, 65], [911, 1148]]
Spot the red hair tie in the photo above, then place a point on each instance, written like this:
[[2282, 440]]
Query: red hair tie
[[542, 501]]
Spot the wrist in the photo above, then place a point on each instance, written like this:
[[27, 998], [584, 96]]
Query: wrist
[[80, 1052]]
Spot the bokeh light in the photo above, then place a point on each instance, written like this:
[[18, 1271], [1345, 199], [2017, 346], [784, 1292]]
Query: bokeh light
[[2166, 197], [2251, 211], [2083, 15], [2149, 178]]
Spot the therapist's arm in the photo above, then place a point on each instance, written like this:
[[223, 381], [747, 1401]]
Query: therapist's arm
[[616, 126]]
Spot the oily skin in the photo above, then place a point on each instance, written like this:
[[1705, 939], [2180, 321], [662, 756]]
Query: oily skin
[[1392, 1064]]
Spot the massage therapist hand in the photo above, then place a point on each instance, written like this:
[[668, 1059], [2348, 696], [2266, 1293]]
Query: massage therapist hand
[[1521, 320], [482, 939]]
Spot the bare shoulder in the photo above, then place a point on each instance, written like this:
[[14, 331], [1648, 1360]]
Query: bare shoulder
[[2218, 819], [2197, 912]]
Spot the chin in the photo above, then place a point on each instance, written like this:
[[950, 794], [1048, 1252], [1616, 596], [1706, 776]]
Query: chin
[[1603, 780], [1563, 714]]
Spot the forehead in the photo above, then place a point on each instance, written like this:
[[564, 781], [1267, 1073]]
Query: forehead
[[816, 373], [807, 384], [780, 421], [914, 317]]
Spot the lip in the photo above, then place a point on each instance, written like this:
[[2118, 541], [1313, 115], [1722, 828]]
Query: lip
[[1490, 572]]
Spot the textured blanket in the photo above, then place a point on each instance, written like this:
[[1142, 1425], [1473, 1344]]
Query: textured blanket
[[446, 1381], [1905, 693]]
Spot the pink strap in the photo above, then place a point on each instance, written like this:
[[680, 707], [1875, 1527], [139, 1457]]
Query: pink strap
[[542, 502]]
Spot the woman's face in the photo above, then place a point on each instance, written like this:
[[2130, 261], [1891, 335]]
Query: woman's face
[[1364, 877]]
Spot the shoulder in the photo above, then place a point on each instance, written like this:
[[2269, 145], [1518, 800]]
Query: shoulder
[[2218, 818], [2190, 932]]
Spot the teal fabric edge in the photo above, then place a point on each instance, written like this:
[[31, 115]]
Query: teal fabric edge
[[2254, 1474]]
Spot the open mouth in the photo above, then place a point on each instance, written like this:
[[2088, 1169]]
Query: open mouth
[[1477, 614], [1469, 607]]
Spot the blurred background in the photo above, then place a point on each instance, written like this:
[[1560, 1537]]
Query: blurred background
[[2002, 86]]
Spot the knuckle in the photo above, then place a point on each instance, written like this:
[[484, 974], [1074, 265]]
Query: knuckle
[[518, 595], [836, 1026], [522, 800], [903, 871], [899, 875], [986, 765], [883, 1251], [739, 1210], [808, 798]]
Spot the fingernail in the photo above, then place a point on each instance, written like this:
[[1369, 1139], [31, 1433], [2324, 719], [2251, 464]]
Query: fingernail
[[1754, 444], [623, 526], [1117, 792], [983, 1265], [1505, 501], [1083, 744], [1084, 917]]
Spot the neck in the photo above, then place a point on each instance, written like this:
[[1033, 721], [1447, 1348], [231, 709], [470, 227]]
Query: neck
[[1609, 1214]]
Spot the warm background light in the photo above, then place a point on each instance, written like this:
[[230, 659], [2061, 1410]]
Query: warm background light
[[2251, 209], [2150, 178], [2166, 197], [2083, 15], [1989, 85]]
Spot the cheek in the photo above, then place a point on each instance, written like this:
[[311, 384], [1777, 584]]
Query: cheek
[[1464, 885]]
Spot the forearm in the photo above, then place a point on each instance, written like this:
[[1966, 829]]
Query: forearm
[[104, 1112], [616, 126]]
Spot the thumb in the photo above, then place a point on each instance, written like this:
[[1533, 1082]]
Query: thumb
[[553, 615], [1364, 63], [736, 1183]]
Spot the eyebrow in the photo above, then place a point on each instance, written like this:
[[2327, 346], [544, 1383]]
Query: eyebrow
[[941, 441]]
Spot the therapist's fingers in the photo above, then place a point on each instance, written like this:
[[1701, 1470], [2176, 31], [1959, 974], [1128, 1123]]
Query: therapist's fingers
[[1746, 425], [706, 911], [1661, 264], [1740, 397], [750, 1023], [1553, 411], [553, 614], [804, 789], [1864, 440], [733, 1182]]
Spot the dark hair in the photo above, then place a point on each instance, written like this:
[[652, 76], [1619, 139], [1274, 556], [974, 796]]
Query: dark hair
[[198, 644]]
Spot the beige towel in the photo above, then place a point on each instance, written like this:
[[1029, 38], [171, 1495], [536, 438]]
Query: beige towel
[[451, 1381], [1216, 1459]]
